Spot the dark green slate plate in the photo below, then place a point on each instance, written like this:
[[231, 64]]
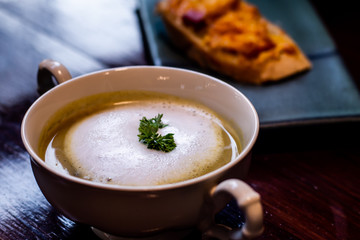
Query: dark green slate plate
[[326, 93]]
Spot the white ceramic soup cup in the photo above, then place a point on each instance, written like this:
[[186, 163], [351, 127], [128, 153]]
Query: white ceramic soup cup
[[145, 211]]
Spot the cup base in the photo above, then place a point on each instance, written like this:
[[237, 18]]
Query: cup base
[[174, 235]]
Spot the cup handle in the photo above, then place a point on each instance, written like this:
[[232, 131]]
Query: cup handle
[[249, 201], [50, 74]]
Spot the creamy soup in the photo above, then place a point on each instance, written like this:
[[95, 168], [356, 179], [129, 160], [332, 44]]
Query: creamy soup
[[99, 141]]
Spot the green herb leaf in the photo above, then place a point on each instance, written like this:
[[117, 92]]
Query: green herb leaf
[[149, 136]]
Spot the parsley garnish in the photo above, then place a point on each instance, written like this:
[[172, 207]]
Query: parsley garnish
[[149, 136]]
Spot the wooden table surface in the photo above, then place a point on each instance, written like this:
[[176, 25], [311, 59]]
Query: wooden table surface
[[307, 175]]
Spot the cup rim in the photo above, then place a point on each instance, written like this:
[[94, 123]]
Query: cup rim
[[114, 187]]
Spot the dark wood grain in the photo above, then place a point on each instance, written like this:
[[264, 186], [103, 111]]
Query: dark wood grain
[[308, 176], [317, 201]]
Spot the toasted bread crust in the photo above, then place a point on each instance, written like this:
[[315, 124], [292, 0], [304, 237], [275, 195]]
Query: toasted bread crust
[[282, 59]]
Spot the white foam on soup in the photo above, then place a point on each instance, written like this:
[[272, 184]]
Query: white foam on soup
[[104, 146]]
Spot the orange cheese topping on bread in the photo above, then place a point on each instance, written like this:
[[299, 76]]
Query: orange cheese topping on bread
[[235, 31]]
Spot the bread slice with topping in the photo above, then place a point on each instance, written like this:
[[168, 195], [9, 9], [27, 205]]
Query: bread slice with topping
[[232, 38]]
